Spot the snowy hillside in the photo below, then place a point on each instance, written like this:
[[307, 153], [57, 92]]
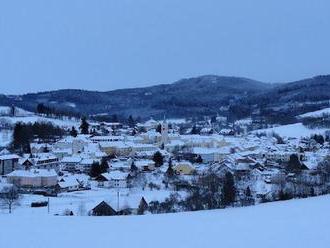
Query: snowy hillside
[[24, 116], [296, 130], [272, 225], [317, 113], [5, 110], [32, 119]]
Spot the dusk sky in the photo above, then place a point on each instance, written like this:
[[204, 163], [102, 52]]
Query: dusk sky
[[110, 44]]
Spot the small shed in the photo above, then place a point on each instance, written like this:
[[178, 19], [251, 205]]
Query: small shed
[[103, 209]]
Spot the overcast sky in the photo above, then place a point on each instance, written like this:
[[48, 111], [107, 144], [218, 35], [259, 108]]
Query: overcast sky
[[111, 44]]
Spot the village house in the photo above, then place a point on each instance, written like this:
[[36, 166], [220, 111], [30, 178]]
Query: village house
[[103, 209], [145, 164], [183, 168], [61, 153], [98, 139], [116, 148], [151, 137], [85, 165], [8, 163], [148, 125], [45, 161], [122, 165], [281, 156], [39, 148], [139, 148], [113, 179], [210, 154], [69, 183], [35, 178], [70, 163], [76, 144]]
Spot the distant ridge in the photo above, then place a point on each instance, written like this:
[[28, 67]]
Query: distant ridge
[[203, 95]]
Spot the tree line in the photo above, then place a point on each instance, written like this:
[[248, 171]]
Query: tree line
[[24, 134]]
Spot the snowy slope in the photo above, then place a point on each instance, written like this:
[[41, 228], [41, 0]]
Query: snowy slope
[[32, 119], [4, 110], [296, 130], [5, 137], [297, 223], [317, 113]]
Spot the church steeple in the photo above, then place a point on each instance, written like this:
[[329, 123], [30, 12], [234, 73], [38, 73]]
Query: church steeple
[[164, 131]]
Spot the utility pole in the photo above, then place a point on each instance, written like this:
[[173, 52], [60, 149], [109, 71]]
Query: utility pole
[[117, 199]]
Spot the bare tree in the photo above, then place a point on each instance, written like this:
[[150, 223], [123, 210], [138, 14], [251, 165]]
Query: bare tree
[[9, 196], [82, 209]]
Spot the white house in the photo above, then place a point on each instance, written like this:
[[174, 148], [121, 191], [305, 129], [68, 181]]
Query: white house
[[33, 178], [70, 163], [113, 179]]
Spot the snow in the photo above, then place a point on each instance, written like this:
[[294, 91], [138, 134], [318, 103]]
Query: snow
[[297, 223], [9, 157], [5, 110], [32, 119], [317, 113], [296, 130], [33, 173], [115, 175], [5, 137]]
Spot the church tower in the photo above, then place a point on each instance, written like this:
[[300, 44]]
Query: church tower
[[164, 132]]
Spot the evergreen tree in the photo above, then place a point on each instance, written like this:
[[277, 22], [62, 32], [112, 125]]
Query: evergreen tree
[[248, 192], [84, 126], [159, 128], [194, 130], [133, 168], [22, 136], [228, 190], [95, 170], [134, 132], [143, 206], [318, 138], [294, 163], [46, 149], [114, 118], [213, 119], [12, 110], [131, 121], [199, 159], [73, 132], [170, 172], [104, 166], [158, 159]]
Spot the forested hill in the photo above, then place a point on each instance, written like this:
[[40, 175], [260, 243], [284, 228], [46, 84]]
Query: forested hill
[[204, 95]]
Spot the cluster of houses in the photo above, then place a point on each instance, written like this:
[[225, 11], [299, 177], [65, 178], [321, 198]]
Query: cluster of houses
[[66, 164]]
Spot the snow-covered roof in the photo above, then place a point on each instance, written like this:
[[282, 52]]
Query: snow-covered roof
[[107, 138], [9, 157], [88, 161], [72, 159], [33, 173], [4, 152], [115, 144], [115, 175], [144, 162]]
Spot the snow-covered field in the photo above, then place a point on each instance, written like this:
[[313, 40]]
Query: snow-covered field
[[5, 110], [88, 199], [32, 119], [317, 113], [296, 130], [296, 223], [5, 137]]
